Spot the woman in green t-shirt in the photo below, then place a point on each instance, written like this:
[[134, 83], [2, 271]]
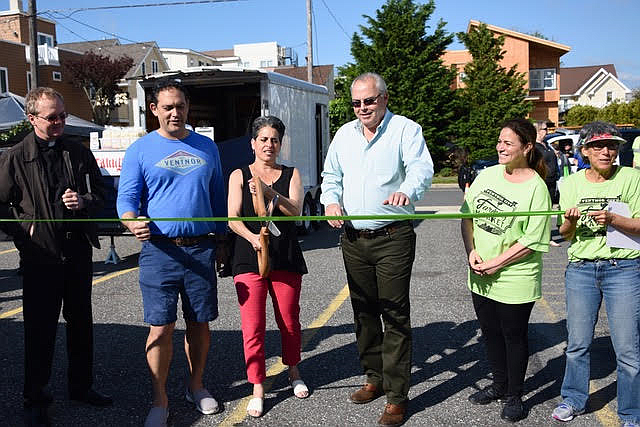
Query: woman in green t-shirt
[[598, 271], [505, 259]]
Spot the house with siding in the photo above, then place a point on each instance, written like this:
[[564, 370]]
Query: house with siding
[[594, 85], [15, 74], [537, 58], [147, 59]]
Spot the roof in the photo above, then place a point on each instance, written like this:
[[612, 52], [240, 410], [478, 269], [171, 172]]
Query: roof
[[573, 78], [89, 45], [522, 36], [320, 73], [220, 53], [221, 75], [113, 49]]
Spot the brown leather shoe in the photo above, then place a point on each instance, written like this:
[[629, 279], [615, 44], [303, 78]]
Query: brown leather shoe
[[366, 394], [393, 415]]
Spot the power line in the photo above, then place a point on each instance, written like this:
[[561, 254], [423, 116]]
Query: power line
[[336, 19], [178, 3], [104, 48], [100, 30]]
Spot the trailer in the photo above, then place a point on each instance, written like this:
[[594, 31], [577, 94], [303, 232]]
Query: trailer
[[228, 99], [224, 101]]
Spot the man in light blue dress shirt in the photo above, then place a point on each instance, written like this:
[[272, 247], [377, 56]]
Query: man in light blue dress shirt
[[378, 164]]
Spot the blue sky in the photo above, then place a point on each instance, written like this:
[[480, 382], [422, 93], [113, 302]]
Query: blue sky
[[598, 32]]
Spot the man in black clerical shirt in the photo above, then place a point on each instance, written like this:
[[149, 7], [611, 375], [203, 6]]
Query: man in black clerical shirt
[[49, 176]]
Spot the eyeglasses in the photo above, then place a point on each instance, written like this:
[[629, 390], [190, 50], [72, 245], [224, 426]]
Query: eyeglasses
[[544, 129], [53, 119], [367, 101], [600, 145]]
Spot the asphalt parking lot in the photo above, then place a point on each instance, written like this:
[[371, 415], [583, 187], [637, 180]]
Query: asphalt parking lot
[[448, 355]]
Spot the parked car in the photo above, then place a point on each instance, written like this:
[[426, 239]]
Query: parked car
[[625, 154]]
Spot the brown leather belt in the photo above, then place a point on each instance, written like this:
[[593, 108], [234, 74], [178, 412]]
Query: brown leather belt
[[183, 241], [353, 234]]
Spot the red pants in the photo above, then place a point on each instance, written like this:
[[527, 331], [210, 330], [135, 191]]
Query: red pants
[[284, 288]]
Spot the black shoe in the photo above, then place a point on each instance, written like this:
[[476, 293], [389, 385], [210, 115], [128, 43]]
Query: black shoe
[[513, 410], [36, 416], [93, 398], [39, 399], [486, 395]]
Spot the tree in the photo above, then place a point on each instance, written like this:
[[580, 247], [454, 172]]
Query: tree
[[340, 110], [617, 112], [492, 93], [98, 76], [395, 44]]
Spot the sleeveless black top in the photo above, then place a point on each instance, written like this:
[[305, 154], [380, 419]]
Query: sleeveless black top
[[284, 250]]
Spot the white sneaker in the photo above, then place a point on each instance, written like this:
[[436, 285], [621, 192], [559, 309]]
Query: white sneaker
[[564, 412]]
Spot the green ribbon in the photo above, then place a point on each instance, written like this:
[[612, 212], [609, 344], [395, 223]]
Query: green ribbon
[[305, 218]]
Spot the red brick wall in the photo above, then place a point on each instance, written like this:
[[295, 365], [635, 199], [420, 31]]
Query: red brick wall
[[15, 28], [10, 28]]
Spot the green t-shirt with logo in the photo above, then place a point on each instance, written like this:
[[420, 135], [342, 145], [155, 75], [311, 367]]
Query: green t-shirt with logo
[[519, 282], [590, 240]]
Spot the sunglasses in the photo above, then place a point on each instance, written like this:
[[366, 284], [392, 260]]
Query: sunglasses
[[367, 101], [52, 119], [600, 145]]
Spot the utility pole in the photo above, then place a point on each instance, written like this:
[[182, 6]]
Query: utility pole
[[309, 44], [33, 44]]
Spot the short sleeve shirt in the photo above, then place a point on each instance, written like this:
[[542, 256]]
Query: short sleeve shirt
[[590, 240], [519, 282]]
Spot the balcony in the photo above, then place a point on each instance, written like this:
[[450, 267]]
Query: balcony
[[47, 55]]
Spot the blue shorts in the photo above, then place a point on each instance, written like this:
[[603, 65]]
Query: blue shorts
[[167, 270]]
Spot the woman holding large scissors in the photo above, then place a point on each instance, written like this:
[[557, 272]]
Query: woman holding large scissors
[[281, 187]]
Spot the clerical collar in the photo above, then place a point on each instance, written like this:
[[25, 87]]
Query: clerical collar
[[43, 143]]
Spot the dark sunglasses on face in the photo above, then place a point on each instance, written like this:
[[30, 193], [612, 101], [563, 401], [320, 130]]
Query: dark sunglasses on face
[[599, 145], [52, 119], [367, 101]]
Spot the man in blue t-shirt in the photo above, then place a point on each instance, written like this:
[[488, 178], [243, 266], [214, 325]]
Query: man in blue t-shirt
[[175, 173]]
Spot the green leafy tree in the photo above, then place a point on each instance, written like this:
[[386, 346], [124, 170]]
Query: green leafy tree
[[578, 115], [396, 45], [340, 110], [616, 112], [492, 93], [98, 76]]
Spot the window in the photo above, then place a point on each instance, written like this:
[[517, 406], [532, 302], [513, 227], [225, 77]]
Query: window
[[154, 66], [246, 64], [200, 63], [143, 68], [542, 79], [28, 81], [45, 39], [268, 63], [4, 80], [57, 76], [609, 97]]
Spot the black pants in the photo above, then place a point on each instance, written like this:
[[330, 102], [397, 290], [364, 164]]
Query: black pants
[[378, 274], [505, 331], [47, 288]]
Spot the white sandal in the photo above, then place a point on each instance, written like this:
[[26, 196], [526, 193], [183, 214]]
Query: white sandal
[[255, 404], [299, 387]]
